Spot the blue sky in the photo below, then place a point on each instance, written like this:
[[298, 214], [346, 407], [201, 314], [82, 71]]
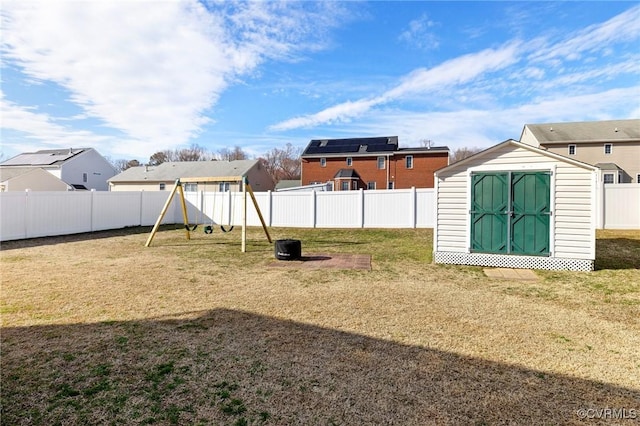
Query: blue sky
[[130, 78]]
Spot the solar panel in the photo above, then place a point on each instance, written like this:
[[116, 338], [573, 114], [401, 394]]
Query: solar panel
[[352, 145]]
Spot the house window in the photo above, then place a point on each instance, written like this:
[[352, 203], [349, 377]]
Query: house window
[[191, 187], [572, 149], [84, 177], [390, 185], [162, 185], [381, 163], [354, 185], [607, 178], [371, 185], [344, 185], [323, 162], [638, 178], [608, 148], [349, 161], [408, 161], [223, 187]]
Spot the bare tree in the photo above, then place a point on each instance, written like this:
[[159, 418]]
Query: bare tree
[[427, 143], [464, 152], [122, 164], [283, 164], [235, 153], [193, 153], [159, 157]]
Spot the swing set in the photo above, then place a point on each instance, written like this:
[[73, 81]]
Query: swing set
[[208, 229]]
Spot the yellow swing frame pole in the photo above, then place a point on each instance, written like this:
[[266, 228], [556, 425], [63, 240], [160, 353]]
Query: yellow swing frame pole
[[176, 188], [255, 204]]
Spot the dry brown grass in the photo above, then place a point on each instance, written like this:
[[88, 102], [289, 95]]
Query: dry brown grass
[[97, 329]]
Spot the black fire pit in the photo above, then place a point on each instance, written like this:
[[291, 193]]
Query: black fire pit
[[288, 249]]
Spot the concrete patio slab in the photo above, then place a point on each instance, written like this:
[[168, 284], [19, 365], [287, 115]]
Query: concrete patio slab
[[321, 261], [511, 274]]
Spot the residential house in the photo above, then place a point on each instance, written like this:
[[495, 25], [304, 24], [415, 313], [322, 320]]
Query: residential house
[[163, 176], [81, 168], [370, 163], [613, 146], [29, 178]]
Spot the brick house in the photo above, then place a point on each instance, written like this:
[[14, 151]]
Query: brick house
[[370, 163]]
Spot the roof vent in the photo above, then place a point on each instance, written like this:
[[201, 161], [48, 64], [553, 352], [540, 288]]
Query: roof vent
[[615, 130], [551, 129], [324, 143]]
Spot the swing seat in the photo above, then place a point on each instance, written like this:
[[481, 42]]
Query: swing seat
[[223, 229], [191, 228], [208, 229]]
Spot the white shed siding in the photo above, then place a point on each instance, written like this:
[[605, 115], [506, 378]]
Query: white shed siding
[[574, 214], [573, 217]]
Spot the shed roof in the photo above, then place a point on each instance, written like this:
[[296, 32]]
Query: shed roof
[[519, 145], [586, 131], [173, 170]]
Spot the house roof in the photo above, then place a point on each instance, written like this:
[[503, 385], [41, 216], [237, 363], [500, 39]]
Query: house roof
[[288, 183], [45, 157], [519, 145], [586, 131], [7, 173], [422, 149], [363, 146], [12, 172], [347, 174], [352, 146], [172, 170], [607, 166]]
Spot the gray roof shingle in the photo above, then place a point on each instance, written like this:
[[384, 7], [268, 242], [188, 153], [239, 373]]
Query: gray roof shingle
[[170, 171], [587, 131]]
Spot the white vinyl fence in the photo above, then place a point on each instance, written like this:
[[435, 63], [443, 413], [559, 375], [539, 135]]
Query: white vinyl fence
[[34, 214]]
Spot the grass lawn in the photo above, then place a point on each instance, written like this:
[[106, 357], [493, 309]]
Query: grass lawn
[[98, 329]]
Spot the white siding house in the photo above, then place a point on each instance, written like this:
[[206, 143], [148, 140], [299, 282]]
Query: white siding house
[[80, 168], [515, 205], [163, 176]]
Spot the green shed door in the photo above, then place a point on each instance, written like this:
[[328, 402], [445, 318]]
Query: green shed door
[[510, 212], [489, 204], [530, 207]]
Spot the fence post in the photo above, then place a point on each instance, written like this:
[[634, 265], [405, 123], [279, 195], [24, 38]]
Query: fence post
[[27, 215], [92, 210], [414, 207], [314, 216], [270, 207], [600, 203], [362, 211]]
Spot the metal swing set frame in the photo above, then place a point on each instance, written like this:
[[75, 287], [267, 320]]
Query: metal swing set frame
[[177, 188]]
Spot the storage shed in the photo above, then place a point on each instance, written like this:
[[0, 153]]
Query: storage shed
[[516, 206]]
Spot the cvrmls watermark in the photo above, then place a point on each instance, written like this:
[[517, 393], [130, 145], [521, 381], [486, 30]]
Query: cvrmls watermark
[[608, 413]]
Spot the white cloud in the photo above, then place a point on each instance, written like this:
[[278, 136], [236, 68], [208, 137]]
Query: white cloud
[[418, 33], [151, 70], [469, 127], [38, 130], [422, 81], [595, 38]]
